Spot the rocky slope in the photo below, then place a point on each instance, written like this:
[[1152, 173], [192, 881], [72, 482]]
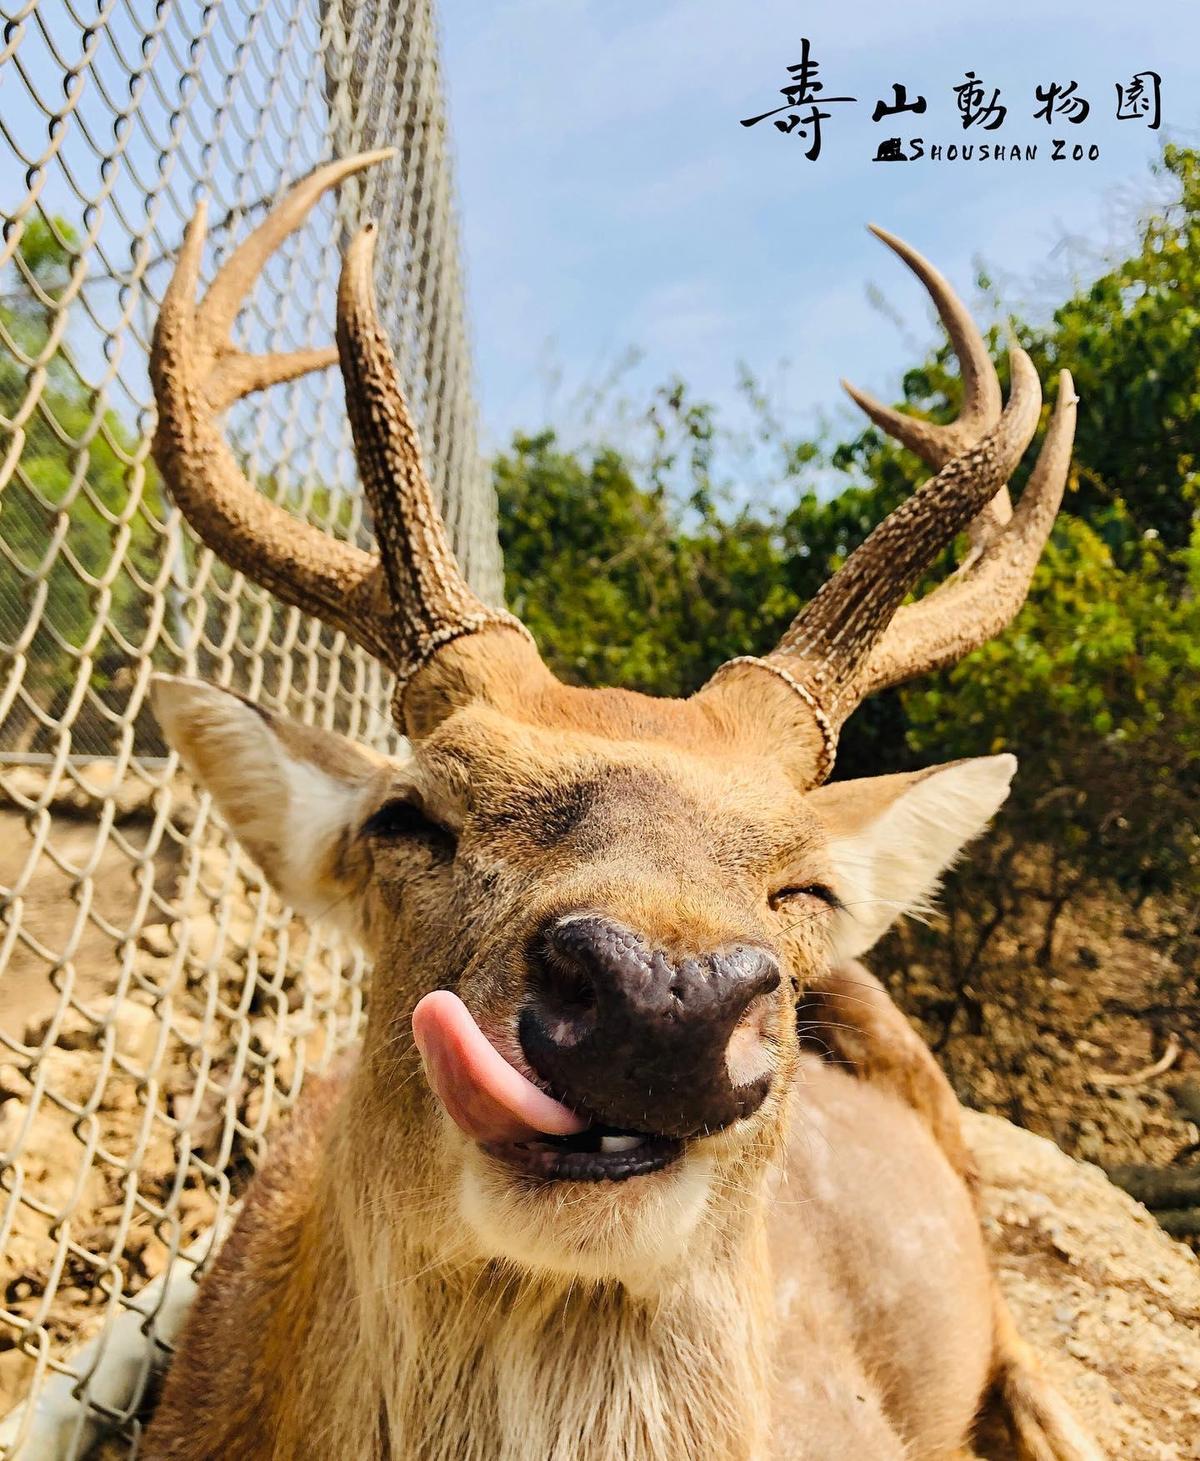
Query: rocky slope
[[1109, 1301]]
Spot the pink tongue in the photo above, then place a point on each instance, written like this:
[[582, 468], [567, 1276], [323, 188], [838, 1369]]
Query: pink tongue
[[483, 1094]]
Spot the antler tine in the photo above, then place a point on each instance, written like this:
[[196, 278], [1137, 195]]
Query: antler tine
[[237, 374], [986, 593], [241, 269], [982, 400], [432, 602], [840, 627], [197, 373]]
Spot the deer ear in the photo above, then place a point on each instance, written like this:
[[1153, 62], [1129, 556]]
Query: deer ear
[[293, 796], [892, 838]]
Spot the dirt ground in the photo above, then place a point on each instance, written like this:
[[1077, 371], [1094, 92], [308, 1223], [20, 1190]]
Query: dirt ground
[[52, 1166], [1044, 1043], [145, 1075], [27, 993]]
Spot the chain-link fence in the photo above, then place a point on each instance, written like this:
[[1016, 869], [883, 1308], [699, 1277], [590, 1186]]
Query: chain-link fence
[[158, 1009]]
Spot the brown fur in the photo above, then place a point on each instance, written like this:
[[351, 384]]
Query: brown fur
[[851, 1014], [809, 1282]]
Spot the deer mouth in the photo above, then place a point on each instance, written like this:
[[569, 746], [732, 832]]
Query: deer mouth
[[515, 1121], [599, 1154]]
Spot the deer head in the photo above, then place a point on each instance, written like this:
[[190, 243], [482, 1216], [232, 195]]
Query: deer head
[[596, 910]]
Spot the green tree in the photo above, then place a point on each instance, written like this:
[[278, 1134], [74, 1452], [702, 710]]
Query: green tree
[[623, 584], [71, 510], [1130, 341]]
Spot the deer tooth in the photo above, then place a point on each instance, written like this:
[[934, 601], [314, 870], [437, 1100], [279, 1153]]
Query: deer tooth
[[611, 1144]]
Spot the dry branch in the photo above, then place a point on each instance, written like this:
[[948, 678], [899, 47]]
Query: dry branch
[[1147, 1073], [1160, 1187], [1180, 1222]]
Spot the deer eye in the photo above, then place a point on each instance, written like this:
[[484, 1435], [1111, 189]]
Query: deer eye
[[402, 819], [783, 897]]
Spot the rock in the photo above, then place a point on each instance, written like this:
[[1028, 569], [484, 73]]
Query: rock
[[91, 790], [156, 940], [16, 1373], [74, 1031], [137, 1031], [1110, 1303], [72, 1075]]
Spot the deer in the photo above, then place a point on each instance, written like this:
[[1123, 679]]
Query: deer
[[635, 1160]]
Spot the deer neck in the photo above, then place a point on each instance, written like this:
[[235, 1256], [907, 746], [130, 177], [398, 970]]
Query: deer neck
[[452, 1356]]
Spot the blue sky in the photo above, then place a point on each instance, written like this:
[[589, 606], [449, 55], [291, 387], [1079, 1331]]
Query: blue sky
[[610, 199], [611, 202]]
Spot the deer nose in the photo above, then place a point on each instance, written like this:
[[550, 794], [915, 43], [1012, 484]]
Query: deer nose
[[640, 1041]]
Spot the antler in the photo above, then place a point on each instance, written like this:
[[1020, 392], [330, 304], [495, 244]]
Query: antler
[[855, 637], [401, 605], [407, 603], [430, 600]]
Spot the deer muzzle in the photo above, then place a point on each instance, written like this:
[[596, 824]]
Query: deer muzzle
[[645, 1042]]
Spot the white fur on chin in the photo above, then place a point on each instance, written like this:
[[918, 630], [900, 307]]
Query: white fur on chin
[[630, 1232]]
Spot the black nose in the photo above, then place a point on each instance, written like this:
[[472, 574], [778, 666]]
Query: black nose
[[623, 1032]]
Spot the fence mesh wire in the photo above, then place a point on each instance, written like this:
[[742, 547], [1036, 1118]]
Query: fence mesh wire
[[158, 1008]]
